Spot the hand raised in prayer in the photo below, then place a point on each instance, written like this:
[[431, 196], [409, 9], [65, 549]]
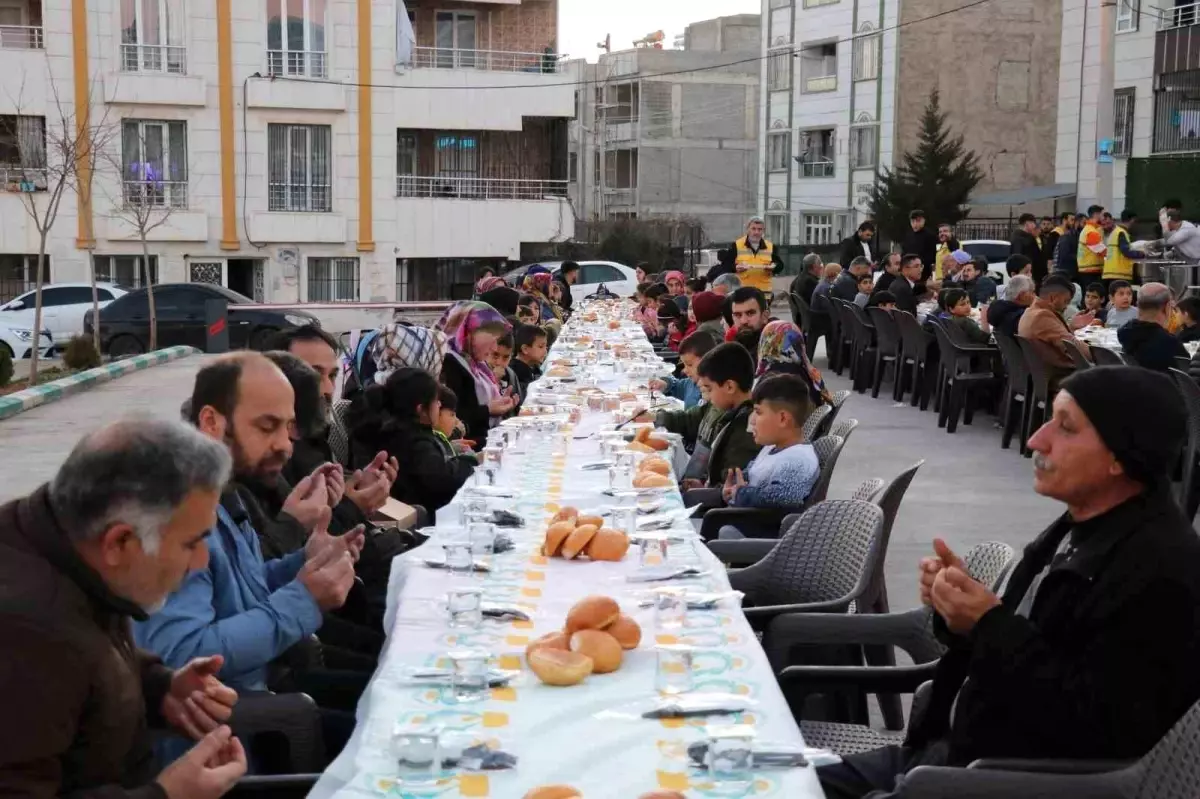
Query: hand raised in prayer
[[369, 488], [308, 499], [930, 567], [960, 600], [197, 702], [209, 769]]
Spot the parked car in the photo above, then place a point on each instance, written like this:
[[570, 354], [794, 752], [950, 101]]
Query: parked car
[[64, 306], [179, 307], [996, 252], [617, 278], [18, 341]]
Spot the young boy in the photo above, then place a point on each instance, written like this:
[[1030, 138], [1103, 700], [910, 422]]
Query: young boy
[[500, 361], [528, 310], [783, 474], [448, 428], [726, 376], [691, 351], [1120, 305], [882, 299], [958, 313], [866, 284], [1093, 302], [531, 345]]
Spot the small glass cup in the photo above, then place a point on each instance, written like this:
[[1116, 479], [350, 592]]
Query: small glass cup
[[482, 540], [458, 555], [494, 455], [418, 757], [730, 759], [652, 551], [469, 675], [475, 506], [673, 673], [670, 609], [465, 606]]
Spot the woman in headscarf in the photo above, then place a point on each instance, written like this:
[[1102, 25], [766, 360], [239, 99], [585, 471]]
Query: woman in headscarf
[[502, 298], [488, 283], [538, 284], [677, 288], [399, 345], [485, 273], [472, 329], [709, 309], [781, 349]]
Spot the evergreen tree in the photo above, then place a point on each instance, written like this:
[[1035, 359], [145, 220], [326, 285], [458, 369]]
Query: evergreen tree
[[938, 177]]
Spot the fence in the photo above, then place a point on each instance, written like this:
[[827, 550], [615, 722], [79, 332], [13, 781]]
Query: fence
[[21, 37], [472, 188], [486, 60], [168, 58]]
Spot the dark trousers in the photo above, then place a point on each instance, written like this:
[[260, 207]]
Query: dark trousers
[[877, 774]]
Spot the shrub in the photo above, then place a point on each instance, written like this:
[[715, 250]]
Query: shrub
[[80, 353], [6, 367]]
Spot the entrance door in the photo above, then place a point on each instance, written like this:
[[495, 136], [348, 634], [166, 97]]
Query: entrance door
[[246, 276]]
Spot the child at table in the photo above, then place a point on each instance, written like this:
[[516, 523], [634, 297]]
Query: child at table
[[691, 351], [866, 284], [500, 362], [532, 345], [958, 310], [1120, 305], [784, 472], [1094, 302]]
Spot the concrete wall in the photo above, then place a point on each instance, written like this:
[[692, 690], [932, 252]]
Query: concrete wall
[[723, 34]]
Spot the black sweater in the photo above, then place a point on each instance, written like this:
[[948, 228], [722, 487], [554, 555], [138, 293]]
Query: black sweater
[[475, 416], [1150, 345], [427, 476]]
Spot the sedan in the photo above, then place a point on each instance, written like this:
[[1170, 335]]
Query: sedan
[[617, 278], [996, 252], [64, 305], [18, 342], [179, 308]]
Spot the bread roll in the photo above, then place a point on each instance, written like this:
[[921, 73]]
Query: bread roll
[[608, 544], [592, 613], [655, 464], [652, 480], [642, 434], [578, 540], [614, 325], [595, 521], [559, 667], [553, 792], [556, 536], [657, 444], [662, 795], [627, 632], [637, 446], [555, 640], [629, 396], [565, 513], [602, 648]]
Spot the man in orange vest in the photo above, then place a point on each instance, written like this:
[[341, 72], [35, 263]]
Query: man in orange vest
[[752, 257], [1092, 247]]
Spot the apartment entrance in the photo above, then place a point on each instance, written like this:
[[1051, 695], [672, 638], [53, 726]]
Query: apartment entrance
[[246, 276]]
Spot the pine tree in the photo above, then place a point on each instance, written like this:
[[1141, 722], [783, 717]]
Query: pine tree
[[938, 177]]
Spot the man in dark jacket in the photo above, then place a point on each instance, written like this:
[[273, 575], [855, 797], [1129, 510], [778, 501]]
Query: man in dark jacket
[[904, 288], [1066, 252], [846, 286], [858, 245], [1145, 340], [1025, 242], [891, 271], [1104, 602], [114, 533], [567, 276], [1005, 315], [922, 241], [809, 278]]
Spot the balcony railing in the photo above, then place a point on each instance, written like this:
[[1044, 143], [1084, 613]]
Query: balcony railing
[[298, 63], [816, 169], [1178, 17], [156, 194], [826, 83], [168, 58], [22, 178], [486, 60], [471, 188], [21, 37]]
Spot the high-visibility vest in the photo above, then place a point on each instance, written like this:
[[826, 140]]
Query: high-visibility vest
[[942, 251], [757, 274], [1117, 266], [1090, 262]]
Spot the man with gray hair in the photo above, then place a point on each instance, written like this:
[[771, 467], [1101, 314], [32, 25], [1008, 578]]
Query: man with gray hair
[[846, 286], [114, 533], [811, 268], [726, 284], [1005, 314], [1145, 340]]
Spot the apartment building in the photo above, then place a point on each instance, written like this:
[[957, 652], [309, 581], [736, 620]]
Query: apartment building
[[292, 150], [671, 133]]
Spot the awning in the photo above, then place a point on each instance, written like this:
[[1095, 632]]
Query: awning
[[1031, 194]]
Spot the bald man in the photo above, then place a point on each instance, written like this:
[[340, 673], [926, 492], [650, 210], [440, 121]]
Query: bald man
[[1146, 340]]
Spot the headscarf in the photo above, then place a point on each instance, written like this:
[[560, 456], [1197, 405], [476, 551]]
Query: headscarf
[[538, 284], [674, 275], [488, 283], [961, 257], [707, 306], [502, 298], [399, 345], [458, 323], [782, 348], [536, 269]]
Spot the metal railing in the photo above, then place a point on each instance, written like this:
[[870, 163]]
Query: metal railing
[[486, 60], [298, 63], [816, 169], [168, 58], [22, 178], [825, 83], [21, 37], [1178, 17], [156, 194], [299, 198], [472, 188]]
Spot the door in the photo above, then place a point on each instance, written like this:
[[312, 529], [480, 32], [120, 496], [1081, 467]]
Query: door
[[455, 32], [53, 302], [180, 313]]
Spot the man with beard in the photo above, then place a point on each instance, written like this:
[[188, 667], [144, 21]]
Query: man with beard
[[748, 307], [947, 243], [922, 242], [891, 272]]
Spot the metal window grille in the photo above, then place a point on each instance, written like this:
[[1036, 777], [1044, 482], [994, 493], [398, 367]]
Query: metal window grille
[[333, 280], [154, 158], [817, 153], [456, 155], [779, 71], [778, 147], [299, 177], [1177, 112], [22, 37], [152, 38], [818, 228], [124, 270], [866, 55], [1123, 103], [864, 148], [18, 274]]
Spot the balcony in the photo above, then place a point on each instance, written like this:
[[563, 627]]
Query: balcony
[[156, 194], [17, 179], [21, 37], [486, 60], [472, 188], [1181, 16], [823, 83], [163, 58], [298, 63], [1177, 42]]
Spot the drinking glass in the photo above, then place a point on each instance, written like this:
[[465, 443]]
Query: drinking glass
[[465, 606], [652, 551], [730, 759], [469, 678], [482, 540], [673, 672], [458, 555], [627, 509], [670, 609], [418, 759], [475, 506]]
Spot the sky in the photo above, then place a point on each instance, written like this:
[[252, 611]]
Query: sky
[[582, 23]]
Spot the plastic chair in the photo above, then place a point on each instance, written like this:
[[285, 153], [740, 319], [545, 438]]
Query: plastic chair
[[920, 355], [815, 325], [844, 428], [1014, 404], [339, 439], [1039, 389], [960, 379], [1077, 357], [814, 421], [841, 354], [869, 488], [1103, 356], [828, 448], [863, 352], [839, 399], [888, 349]]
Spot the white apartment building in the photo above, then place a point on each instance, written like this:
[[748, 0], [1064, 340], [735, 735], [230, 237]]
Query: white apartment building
[[299, 150], [828, 114]]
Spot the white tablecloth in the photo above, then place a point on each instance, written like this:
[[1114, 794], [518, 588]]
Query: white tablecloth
[[591, 735]]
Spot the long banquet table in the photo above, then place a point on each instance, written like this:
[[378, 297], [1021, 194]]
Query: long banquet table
[[590, 736]]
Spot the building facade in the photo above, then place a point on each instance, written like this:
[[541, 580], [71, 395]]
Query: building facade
[[671, 133], [307, 150]]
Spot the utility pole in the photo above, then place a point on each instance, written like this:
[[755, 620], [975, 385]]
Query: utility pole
[[1105, 123]]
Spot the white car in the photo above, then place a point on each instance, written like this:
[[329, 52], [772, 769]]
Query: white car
[[996, 252], [64, 306], [18, 342], [617, 278]]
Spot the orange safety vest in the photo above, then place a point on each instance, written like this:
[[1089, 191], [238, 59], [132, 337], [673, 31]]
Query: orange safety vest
[[758, 274], [1090, 262]]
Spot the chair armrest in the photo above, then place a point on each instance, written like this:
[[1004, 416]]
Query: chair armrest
[[1052, 766], [742, 552], [760, 617], [282, 786], [930, 782], [709, 498], [295, 716], [717, 518], [857, 679], [869, 629]]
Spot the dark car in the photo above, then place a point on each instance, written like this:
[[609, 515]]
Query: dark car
[[179, 308]]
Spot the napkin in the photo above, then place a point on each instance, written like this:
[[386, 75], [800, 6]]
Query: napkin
[[765, 755]]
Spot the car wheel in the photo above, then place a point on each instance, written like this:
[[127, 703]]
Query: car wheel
[[261, 338], [125, 347]]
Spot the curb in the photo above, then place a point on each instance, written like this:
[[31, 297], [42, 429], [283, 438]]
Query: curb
[[30, 398]]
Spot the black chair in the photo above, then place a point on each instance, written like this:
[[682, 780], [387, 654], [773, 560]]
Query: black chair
[[888, 349], [1103, 356], [844, 428], [1188, 495], [962, 378], [1014, 403], [1077, 357], [1039, 384], [815, 421], [921, 357], [840, 356], [815, 325], [839, 399], [862, 357]]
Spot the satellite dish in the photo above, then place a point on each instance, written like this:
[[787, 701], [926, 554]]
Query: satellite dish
[[605, 45]]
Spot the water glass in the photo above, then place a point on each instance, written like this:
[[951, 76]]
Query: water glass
[[673, 672], [465, 606], [488, 470], [469, 676], [458, 556], [418, 757], [482, 538], [670, 609], [618, 478], [475, 506], [730, 759], [493, 455], [652, 551]]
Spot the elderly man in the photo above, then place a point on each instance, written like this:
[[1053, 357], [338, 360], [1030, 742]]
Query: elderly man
[[1005, 315], [1092, 650], [752, 258], [846, 286], [811, 268], [1146, 340], [116, 530], [1044, 324]]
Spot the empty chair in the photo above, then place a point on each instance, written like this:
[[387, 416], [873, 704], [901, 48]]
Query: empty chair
[[862, 357], [1014, 402], [843, 337], [844, 428], [888, 347], [868, 489], [812, 323], [1103, 356], [919, 355]]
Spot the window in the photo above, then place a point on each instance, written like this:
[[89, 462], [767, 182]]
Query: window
[[152, 36], [818, 67], [22, 153], [296, 38], [1123, 121], [21, 25], [815, 3], [73, 295], [817, 150], [780, 3], [298, 168], [154, 163], [778, 145], [621, 169], [124, 270], [456, 39], [427, 279], [333, 280], [18, 274], [863, 146], [779, 71], [623, 104], [573, 167], [818, 229], [457, 155], [866, 53], [406, 153], [777, 227], [1128, 12]]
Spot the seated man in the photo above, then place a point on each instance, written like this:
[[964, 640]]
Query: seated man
[[115, 532], [1145, 340], [783, 473], [1043, 323], [1104, 602], [1005, 315]]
